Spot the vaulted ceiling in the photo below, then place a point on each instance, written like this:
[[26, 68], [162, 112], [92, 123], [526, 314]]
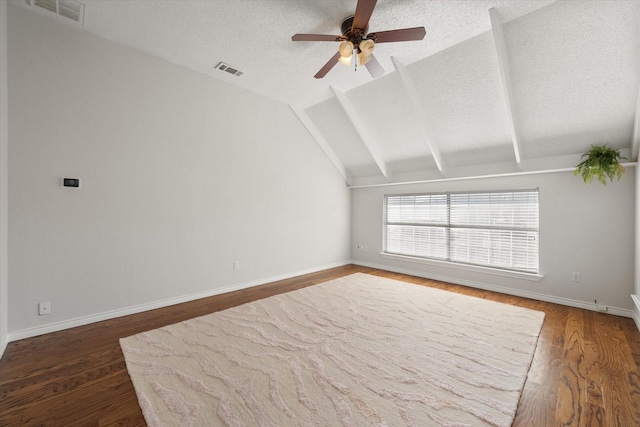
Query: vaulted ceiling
[[494, 87]]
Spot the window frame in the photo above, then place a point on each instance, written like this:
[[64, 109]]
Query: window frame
[[493, 269]]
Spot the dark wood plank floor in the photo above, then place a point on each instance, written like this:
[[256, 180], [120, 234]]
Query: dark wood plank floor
[[585, 370]]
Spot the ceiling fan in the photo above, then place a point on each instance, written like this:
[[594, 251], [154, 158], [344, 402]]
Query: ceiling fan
[[356, 44]]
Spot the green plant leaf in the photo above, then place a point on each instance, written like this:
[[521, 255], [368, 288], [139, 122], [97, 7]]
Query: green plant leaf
[[601, 162]]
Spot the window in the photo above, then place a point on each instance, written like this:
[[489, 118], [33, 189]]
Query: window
[[497, 229]]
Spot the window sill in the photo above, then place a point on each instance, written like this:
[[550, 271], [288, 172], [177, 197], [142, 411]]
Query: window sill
[[475, 268]]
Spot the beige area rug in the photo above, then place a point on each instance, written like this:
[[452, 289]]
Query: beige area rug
[[360, 351]]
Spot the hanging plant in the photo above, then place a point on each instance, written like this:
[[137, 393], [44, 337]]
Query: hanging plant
[[601, 162]]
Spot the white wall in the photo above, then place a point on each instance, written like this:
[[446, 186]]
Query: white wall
[[636, 258], [583, 228], [4, 186], [181, 176]]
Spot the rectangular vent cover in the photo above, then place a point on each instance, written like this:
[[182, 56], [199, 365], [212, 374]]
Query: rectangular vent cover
[[229, 69], [68, 9]]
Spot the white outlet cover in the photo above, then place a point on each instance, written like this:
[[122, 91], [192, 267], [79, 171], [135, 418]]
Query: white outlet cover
[[44, 308]]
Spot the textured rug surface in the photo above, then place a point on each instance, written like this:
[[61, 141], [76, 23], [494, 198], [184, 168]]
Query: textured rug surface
[[360, 350]]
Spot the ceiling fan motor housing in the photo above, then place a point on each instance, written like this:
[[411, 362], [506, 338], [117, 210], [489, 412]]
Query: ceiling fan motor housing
[[346, 29]]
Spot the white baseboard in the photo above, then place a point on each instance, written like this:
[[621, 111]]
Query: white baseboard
[[636, 310], [503, 290], [3, 345], [81, 321]]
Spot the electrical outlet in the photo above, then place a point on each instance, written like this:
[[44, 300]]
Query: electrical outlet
[[575, 276], [236, 265], [44, 308], [600, 307]]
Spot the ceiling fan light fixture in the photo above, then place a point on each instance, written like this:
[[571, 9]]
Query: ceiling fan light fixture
[[366, 47], [366, 50], [346, 51], [363, 59]]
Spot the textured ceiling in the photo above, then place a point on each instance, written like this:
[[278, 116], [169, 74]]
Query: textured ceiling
[[567, 76]]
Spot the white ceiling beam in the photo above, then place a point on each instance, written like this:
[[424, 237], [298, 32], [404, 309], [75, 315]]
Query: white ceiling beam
[[324, 146], [362, 129], [635, 142], [476, 177], [505, 78], [419, 111]]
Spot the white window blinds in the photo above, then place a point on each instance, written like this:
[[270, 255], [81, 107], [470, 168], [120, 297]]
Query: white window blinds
[[497, 229]]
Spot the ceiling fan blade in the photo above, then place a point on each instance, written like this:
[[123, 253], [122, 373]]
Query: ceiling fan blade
[[402, 35], [364, 10], [374, 67], [315, 38], [328, 66]]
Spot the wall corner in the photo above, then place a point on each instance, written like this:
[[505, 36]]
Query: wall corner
[[4, 176]]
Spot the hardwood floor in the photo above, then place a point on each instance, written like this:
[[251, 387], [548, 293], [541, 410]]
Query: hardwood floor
[[585, 370]]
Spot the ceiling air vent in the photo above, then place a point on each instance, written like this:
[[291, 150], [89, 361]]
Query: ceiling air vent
[[229, 69], [68, 9]]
